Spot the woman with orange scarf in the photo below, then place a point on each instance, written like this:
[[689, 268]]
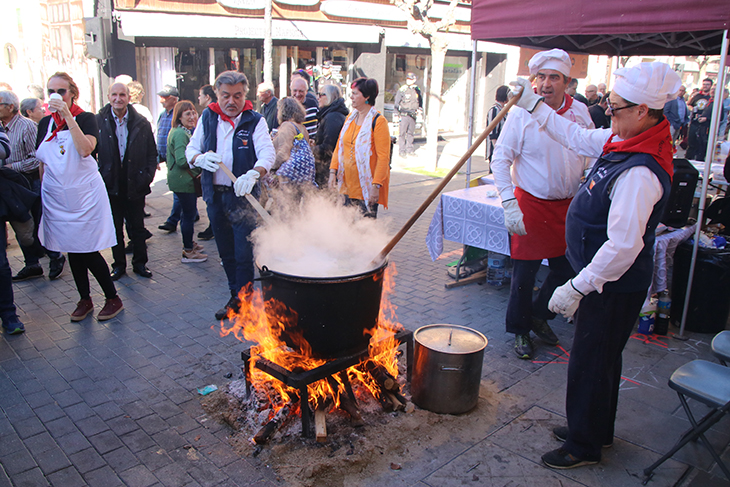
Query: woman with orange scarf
[[77, 217], [610, 232]]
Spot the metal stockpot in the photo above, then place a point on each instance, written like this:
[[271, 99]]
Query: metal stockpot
[[447, 368]]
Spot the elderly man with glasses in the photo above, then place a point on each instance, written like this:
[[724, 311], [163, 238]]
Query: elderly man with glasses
[[22, 133], [610, 232]]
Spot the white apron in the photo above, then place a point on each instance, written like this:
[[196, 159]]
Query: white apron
[[77, 216]]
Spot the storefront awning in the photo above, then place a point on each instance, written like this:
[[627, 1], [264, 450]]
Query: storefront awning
[[153, 24], [457, 42]]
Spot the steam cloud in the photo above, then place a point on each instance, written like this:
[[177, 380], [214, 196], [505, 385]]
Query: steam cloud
[[316, 236]]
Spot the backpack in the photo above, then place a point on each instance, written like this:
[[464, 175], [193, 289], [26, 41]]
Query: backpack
[[392, 140]]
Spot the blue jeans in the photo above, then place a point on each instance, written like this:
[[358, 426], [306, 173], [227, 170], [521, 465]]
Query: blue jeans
[[7, 306], [521, 307], [176, 212], [233, 220], [189, 206]]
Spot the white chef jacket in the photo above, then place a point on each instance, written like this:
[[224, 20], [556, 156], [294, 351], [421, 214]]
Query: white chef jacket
[[539, 164], [633, 197], [265, 153]]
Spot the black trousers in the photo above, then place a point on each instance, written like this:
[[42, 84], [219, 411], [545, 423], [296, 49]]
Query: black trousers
[[133, 211], [82, 264], [603, 325], [521, 306], [696, 142]]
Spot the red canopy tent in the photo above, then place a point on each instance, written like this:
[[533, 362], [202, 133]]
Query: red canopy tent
[[620, 28]]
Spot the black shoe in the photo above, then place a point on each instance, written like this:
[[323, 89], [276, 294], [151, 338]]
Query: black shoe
[[56, 267], [147, 234], [523, 346], [206, 234], [142, 270], [118, 272], [233, 304], [129, 249], [28, 272], [563, 460], [561, 434], [544, 332], [147, 214], [168, 227]]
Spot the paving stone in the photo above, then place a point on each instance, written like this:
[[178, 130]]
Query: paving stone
[[138, 440], [155, 458], [61, 426], [91, 426], [17, 462], [28, 427], [102, 477], [139, 476], [68, 477], [30, 478], [73, 442], [87, 460], [53, 460], [40, 443], [121, 459], [105, 442]]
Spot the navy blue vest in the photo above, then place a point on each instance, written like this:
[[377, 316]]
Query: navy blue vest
[[244, 152], [587, 220]]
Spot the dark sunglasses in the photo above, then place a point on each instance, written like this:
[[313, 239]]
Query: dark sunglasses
[[61, 91]]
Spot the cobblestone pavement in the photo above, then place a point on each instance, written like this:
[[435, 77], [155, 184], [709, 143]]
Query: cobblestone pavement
[[115, 403]]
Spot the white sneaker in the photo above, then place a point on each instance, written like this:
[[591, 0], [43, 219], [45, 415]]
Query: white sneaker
[[191, 256]]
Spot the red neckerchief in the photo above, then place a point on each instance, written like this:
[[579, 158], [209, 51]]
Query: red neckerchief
[[217, 109], [657, 142], [567, 105], [61, 122]]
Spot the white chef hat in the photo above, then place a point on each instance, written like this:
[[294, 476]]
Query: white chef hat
[[651, 83], [556, 59]]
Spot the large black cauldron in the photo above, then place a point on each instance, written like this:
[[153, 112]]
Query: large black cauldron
[[331, 313]]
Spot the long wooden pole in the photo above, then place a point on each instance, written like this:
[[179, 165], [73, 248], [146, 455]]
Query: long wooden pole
[[253, 201], [386, 250]]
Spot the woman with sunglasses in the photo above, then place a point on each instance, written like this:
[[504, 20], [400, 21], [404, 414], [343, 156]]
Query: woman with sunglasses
[[332, 114], [77, 216], [610, 231]]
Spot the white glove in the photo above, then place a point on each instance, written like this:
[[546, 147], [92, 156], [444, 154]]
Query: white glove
[[565, 300], [513, 217], [208, 161], [529, 98], [244, 184], [374, 195], [332, 182]]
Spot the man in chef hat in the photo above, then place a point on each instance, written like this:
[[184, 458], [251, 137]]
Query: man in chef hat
[[610, 230], [536, 178]]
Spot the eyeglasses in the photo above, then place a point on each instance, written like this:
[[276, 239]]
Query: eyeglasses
[[322, 94], [611, 110], [61, 91]]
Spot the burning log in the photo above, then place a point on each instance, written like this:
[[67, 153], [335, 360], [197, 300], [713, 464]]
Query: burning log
[[273, 425], [386, 381], [320, 423], [397, 405], [347, 403]]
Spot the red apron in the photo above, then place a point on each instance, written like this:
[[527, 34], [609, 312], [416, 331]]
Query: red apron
[[545, 224]]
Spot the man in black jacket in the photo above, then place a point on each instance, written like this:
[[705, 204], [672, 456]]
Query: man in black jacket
[[127, 161]]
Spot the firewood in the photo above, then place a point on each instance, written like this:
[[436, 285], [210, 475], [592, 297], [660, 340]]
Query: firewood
[[381, 376], [320, 425], [397, 405], [273, 425], [346, 403]]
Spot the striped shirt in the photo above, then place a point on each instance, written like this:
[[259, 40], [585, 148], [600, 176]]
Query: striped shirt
[[312, 108], [22, 133]]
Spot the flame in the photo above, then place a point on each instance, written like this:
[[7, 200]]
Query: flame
[[264, 323]]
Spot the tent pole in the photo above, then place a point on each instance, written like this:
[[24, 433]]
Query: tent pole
[[472, 91], [714, 123]]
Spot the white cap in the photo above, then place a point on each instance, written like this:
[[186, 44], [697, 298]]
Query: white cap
[[556, 59], [651, 83]]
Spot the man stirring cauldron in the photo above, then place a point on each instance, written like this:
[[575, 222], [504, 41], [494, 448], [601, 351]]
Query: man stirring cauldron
[[535, 195], [610, 232], [231, 132]]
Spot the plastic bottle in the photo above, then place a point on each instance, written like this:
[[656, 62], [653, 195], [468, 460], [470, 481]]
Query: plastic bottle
[[664, 304], [646, 316], [495, 269]]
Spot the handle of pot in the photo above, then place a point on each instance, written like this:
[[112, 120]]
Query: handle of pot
[[264, 274], [451, 369]]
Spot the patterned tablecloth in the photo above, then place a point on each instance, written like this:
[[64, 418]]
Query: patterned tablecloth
[[471, 217]]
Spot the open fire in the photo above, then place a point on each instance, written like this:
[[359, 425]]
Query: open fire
[[284, 372]]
